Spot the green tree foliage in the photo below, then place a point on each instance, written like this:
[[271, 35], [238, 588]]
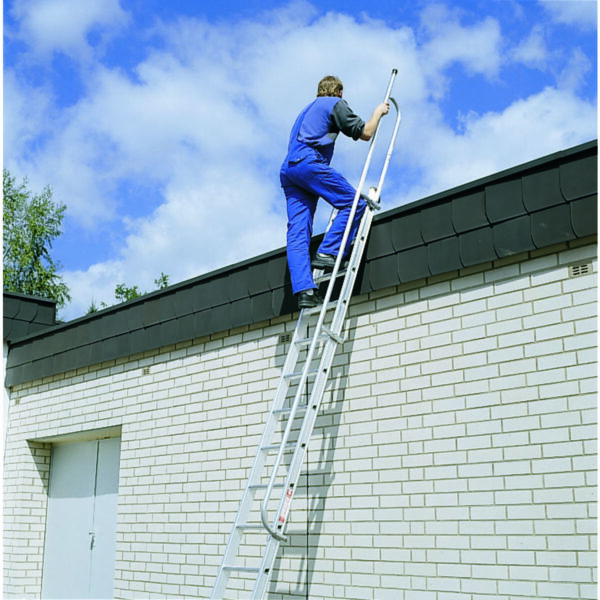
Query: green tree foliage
[[123, 293], [31, 223], [161, 282]]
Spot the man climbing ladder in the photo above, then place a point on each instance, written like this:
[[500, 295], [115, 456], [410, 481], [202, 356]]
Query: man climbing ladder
[[249, 557], [306, 175]]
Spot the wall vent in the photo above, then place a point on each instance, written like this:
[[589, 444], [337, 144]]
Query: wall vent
[[578, 270], [284, 338]]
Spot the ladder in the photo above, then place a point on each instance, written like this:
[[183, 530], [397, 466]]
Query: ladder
[[295, 408]]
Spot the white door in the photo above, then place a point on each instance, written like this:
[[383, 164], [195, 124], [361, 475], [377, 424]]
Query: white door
[[79, 553]]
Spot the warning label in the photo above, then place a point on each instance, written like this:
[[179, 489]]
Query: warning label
[[286, 505]]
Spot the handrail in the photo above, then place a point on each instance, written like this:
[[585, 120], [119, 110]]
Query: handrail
[[339, 315], [263, 512]]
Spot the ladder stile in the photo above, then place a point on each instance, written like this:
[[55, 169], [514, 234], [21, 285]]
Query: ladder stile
[[295, 408]]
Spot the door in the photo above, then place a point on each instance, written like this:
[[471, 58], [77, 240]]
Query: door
[[79, 553]]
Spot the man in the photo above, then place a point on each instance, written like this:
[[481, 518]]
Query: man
[[306, 175]]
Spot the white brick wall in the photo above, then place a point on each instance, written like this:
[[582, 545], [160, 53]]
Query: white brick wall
[[454, 458]]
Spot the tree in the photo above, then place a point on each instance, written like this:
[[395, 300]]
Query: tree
[[123, 292], [161, 282], [31, 223]]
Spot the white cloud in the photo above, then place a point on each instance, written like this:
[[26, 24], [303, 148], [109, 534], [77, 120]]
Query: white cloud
[[201, 226], [63, 25], [204, 121], [533, 50], [580, 13], [527, 129], [27, 112], [214, 135], [572, 77], [476, 47]]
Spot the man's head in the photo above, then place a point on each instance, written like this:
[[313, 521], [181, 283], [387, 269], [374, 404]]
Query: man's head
[[330, 86]]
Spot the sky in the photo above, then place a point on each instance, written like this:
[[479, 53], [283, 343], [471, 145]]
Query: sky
[[162, 125]]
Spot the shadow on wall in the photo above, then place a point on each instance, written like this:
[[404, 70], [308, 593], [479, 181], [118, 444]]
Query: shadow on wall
[[298, 556], [40, 455]]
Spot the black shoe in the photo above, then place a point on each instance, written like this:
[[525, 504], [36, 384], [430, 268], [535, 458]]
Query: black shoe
[[309, 299], [323, 261]]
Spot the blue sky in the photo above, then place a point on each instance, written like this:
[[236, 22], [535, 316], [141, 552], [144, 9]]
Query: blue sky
[[162, 125]]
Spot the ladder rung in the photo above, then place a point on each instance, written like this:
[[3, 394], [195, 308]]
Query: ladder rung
[[284, 411], [334, 336], [263, 486], [289, 446], [248, 527], [317, 309], [327, 276], [298, 374], [244, 569], [308, 341]]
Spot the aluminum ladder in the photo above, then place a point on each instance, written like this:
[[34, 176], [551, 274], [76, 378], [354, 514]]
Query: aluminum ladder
[[296, 406]]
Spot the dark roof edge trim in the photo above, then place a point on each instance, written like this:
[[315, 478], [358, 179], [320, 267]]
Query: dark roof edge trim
[[494, 177], [37, 299], [278, 252]]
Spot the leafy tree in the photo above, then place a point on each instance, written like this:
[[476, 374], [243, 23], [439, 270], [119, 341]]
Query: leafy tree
[[161, 282], [124, 292], [31, 223], [93, 307]]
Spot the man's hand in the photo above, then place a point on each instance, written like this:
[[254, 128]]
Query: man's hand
[[383, 108], [371, 124]]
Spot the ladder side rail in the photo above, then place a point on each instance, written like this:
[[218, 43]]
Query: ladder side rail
[[315, 340], [319, 384], [264, 573], [390, 149], [310, 416], [316, 396], [308, 423], [357, 195], [280, 521], [294, 408], [282, 389], [362, 180], [319, 326], [304, 377], [244, 510], [257, 468]]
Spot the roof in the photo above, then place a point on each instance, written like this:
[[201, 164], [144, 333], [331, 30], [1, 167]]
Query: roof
[[23, 315], [535, 205]]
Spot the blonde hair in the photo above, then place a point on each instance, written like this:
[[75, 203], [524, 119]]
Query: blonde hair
[[329, 86]]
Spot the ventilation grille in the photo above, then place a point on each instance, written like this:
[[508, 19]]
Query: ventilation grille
[[578, 270], [284, 338]]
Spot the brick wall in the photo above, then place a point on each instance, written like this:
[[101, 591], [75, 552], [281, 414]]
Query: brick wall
[[454, 458]]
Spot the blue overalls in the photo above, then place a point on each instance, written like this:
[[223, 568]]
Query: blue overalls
[[305, 176]]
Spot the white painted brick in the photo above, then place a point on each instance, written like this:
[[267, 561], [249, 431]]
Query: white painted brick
[[474, 442], [463, 449]]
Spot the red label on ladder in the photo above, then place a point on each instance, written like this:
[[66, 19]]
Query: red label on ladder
[[286, 505]]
